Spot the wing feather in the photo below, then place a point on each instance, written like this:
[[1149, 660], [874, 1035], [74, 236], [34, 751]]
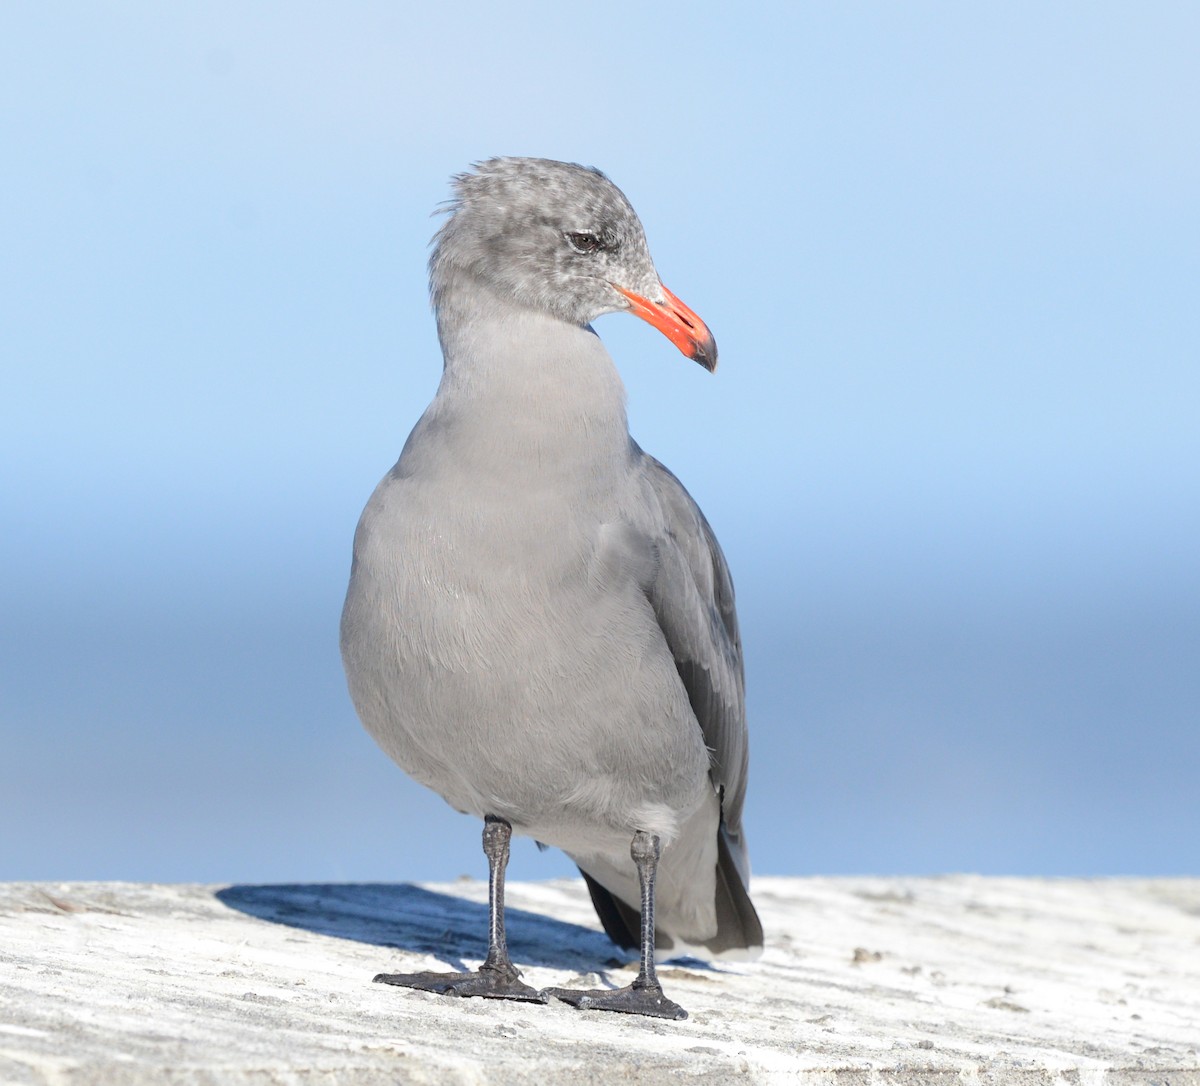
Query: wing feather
[[693, 598]]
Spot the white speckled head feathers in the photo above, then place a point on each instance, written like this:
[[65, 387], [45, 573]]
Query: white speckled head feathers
[[511, 227], [558, 238]]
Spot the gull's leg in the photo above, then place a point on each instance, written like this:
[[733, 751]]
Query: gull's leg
[[645, 994], [497, 977]]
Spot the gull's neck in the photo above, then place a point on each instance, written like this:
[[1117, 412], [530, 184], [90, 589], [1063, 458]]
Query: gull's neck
[[521, 385]]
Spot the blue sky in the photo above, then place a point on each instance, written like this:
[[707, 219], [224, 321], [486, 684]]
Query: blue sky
[[950, 254]]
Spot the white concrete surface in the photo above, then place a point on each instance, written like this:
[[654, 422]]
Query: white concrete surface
[[945, 980]]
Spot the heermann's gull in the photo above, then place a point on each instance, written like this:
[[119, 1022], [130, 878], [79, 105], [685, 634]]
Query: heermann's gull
[[540, 624]]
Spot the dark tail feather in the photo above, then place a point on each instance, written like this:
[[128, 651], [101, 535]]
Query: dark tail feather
[[621, 923], [738, 926]]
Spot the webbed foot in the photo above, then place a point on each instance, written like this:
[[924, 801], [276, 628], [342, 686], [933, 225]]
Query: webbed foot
[[487, 983], [632, 999]]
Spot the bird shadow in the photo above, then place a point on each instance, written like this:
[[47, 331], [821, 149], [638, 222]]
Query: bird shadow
[[408, 917]]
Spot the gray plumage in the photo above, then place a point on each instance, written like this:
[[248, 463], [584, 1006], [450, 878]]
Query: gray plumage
[[540, 624]]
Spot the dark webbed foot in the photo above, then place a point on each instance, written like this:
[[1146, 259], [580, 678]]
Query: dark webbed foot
[[632, 999], [488, 983]]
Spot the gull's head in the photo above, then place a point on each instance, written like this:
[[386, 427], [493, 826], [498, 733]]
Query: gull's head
[[560, 238]]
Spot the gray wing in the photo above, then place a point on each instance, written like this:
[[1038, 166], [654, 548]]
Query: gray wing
[[690, 591], [692, 596]]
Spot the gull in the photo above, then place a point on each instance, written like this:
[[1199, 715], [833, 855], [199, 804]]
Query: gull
[[540, 623]]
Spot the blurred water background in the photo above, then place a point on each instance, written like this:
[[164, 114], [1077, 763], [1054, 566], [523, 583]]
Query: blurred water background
[[951, 254]]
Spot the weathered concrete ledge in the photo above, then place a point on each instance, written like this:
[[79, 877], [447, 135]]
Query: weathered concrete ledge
[[944, 980]]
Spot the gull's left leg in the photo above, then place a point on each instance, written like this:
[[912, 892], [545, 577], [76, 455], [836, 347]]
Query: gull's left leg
[[645, 994]]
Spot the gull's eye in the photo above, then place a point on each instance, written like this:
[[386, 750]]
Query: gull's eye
[[585, 242]]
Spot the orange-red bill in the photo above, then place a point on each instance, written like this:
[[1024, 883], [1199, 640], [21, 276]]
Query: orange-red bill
[[678, 323]]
